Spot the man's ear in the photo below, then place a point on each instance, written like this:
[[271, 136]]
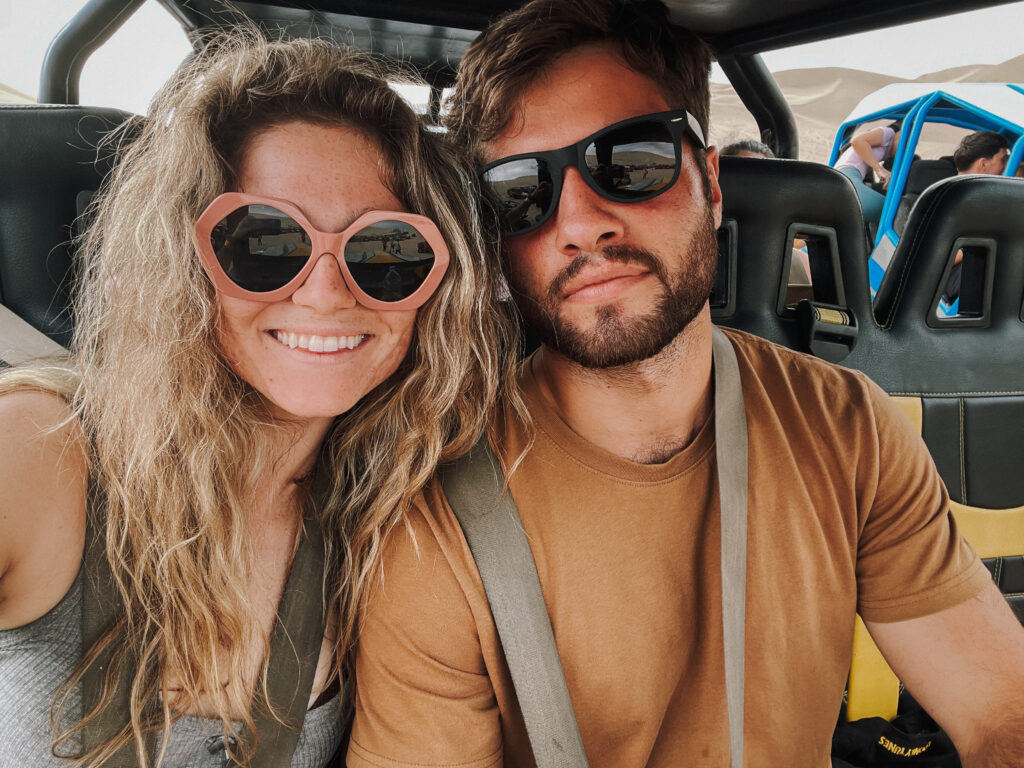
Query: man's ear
[[711, 153]]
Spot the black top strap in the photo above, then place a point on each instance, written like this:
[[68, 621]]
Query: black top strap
[[294, 652], [101, 606], [294, 648]]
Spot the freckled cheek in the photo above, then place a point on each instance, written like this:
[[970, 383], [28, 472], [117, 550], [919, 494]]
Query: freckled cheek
[[241, 351], [229, 346], [389, 359], [401, 348]]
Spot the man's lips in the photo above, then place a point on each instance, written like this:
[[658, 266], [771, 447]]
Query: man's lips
[[602, 285]]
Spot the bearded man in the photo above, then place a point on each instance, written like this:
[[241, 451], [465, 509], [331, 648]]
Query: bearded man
[[588, 119]]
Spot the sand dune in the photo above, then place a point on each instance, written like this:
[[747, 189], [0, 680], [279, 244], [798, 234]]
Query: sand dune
[[822, 98], [10, 95]]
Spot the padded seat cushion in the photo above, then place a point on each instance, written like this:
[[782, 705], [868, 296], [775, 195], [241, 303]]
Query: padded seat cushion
[[49, 156]]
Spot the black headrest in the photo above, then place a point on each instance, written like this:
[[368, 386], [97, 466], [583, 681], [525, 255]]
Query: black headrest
[[766, 202], [979, 216], [924, 173], [49, 158]]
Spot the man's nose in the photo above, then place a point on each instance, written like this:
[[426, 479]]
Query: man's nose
[[584, 221], [324, 288]]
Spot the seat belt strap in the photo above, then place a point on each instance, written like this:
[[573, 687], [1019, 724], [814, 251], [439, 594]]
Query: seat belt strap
[[21, 342], [474, 487], [731, 456]]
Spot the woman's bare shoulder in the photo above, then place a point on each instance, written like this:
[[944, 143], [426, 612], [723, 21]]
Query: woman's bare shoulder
[[43, 488]]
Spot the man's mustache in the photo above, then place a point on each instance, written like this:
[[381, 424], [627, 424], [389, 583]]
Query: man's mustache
[[625, 254]]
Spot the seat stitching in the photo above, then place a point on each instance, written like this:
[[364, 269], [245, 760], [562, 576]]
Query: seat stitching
[[955, 394], [963, 457], [917, 235]]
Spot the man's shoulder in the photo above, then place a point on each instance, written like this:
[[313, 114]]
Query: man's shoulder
[[777, 375], [770, 358], [427, 541], [427, 525]]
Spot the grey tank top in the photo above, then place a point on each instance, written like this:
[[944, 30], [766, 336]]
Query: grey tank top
[[37, 658]]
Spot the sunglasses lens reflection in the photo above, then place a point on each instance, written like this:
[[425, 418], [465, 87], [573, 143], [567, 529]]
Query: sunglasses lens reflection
[[634, 162], [260, 248], [389, 260], [521, 189]]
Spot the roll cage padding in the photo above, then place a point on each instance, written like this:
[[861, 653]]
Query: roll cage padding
[[761, 95], [90, 28]]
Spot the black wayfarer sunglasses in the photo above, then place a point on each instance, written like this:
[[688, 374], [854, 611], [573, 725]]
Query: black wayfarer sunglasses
[[627, 162]]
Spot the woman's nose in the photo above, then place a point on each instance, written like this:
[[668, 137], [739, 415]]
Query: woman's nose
[[325, 289]]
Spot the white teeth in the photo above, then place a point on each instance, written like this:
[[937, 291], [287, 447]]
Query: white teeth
[[318, 343]]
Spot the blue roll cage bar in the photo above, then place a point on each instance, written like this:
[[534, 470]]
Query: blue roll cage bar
[[935, 107]]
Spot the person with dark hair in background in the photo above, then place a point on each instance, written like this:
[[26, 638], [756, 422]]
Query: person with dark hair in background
[[982, 152], [618, 481], [867, 151], [799, 267], [747, 148]]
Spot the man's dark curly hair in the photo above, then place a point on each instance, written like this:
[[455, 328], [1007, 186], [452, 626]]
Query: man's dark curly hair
[[520, 47], [977, 145]]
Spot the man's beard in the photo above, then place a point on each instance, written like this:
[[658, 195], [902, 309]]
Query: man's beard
[[615, 340]]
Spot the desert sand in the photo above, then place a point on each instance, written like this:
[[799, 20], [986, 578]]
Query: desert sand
[[10, 95]]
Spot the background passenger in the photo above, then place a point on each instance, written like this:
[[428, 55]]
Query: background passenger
[[210, 424], [982, 152], [799, 267], [867, 151], [747, 148]]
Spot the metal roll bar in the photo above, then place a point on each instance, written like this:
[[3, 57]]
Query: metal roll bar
[[90, 28]]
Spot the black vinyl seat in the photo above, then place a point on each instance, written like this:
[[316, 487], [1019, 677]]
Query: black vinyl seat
[[964, 370], [981, 216], [958, 378], [766, 204], [922, 174], [49, 168]]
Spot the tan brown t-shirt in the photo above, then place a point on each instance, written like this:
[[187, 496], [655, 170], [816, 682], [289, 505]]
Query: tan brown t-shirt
[[846, 513]]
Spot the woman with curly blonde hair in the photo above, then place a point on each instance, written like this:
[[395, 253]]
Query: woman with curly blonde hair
[[286, 318]]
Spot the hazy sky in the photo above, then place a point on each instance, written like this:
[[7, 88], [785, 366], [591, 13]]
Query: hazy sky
[[127, 70]]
